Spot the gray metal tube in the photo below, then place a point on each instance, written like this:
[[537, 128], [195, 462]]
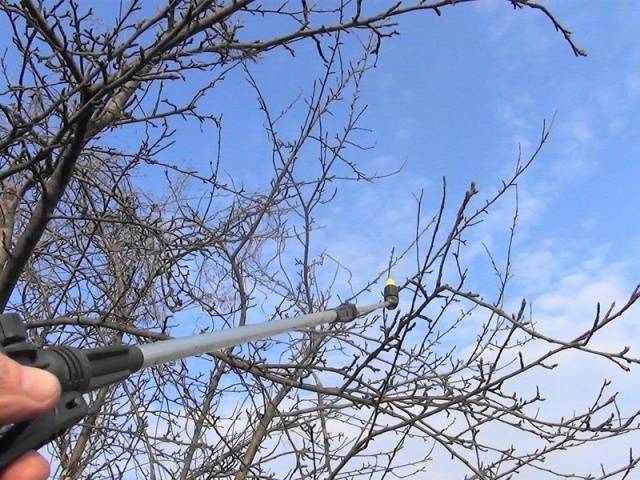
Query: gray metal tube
[[166, 351]]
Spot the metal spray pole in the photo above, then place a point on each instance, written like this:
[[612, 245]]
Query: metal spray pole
[[165, 351], [83, 370]]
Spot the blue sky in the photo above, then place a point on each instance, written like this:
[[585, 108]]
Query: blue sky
[[454, 96]]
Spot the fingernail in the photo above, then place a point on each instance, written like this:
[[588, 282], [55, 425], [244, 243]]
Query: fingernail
[[39, 385]]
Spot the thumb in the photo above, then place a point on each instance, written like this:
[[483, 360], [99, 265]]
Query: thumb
[[25, 392]]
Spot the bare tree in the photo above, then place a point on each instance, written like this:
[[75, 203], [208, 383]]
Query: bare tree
[[92, 255]]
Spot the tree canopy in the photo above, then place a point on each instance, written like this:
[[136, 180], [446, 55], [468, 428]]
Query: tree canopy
[[109, 236]]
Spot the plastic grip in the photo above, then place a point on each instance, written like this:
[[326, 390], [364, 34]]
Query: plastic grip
[[78, 371], [33, 434]]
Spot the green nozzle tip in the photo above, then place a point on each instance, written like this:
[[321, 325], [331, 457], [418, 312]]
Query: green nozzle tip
[[390, 281]]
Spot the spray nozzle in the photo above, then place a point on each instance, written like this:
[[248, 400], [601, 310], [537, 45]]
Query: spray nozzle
[[391, 294]]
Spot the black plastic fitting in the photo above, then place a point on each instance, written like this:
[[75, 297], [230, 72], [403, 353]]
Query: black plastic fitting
[[346, 312], [391, 295]]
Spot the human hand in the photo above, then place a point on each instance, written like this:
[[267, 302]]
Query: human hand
[[25, 393]]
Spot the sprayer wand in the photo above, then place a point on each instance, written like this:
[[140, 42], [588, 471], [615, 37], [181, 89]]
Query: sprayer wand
[[83, 370]]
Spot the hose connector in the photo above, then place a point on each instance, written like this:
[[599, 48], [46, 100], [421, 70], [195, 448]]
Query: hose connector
[[346, 312], [391, 294]]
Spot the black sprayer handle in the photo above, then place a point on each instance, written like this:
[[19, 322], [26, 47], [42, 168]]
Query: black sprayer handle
[[33, 434], [79, 371]]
